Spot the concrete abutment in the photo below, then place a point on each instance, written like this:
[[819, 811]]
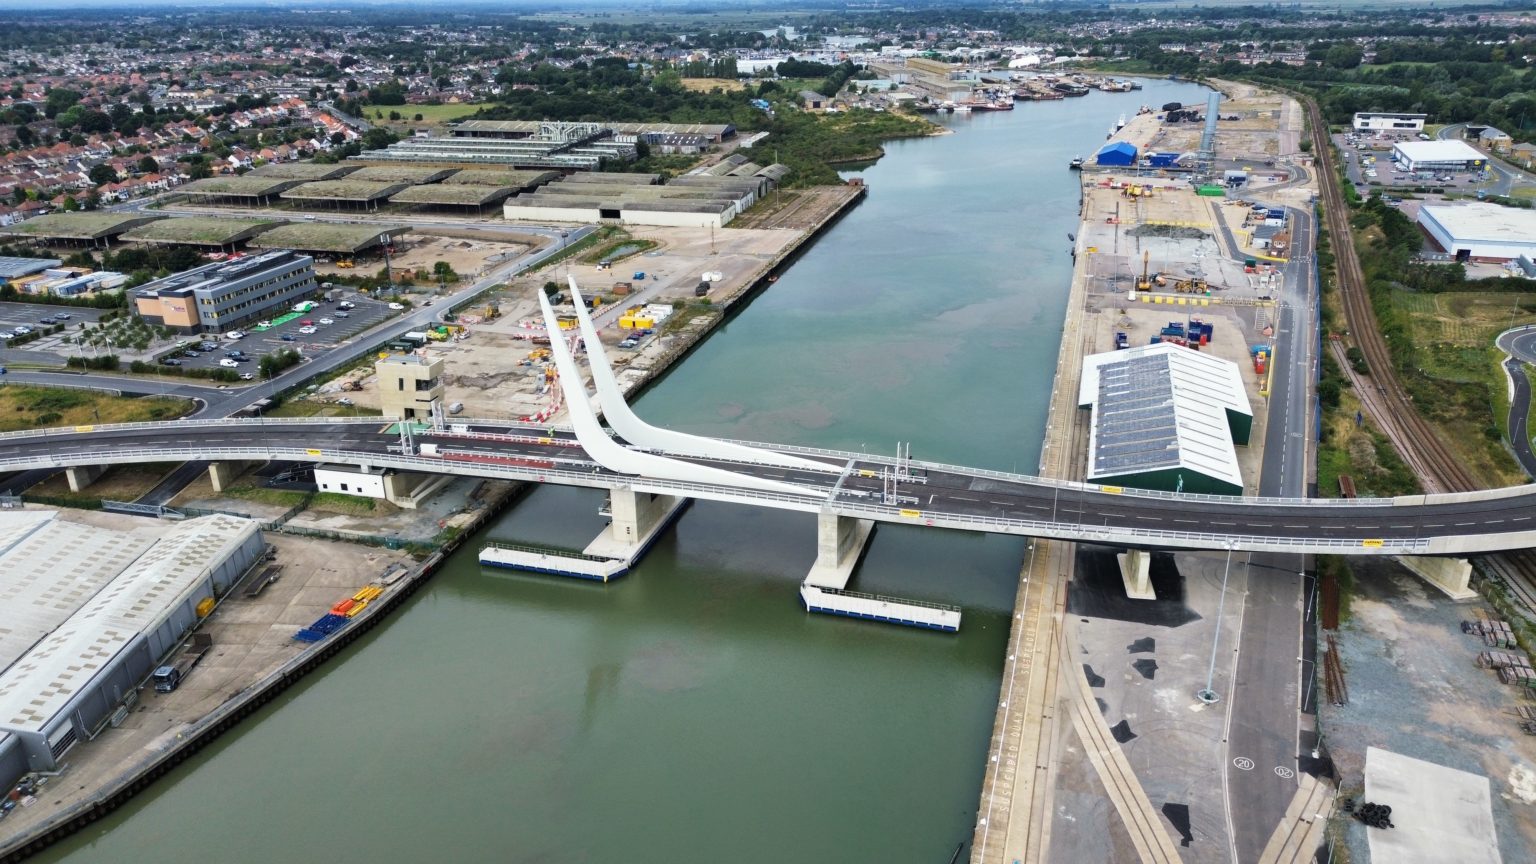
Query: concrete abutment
[[1136, 570], [222, 474], [1451, 575], [82, 476]]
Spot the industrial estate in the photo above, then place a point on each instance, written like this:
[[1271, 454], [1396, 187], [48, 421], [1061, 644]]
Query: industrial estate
[[363, 333]]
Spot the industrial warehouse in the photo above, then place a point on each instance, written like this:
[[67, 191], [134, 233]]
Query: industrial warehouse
[[76, 651], [693, 200], [1165, 417], [1481, 232]]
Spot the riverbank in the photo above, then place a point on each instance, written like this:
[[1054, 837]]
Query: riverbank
[[36, 829]]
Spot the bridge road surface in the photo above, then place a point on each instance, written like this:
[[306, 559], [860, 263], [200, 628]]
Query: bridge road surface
[[948, 492], [1266, 686]]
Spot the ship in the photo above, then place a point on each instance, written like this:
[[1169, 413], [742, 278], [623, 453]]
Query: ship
[[1076, 164]]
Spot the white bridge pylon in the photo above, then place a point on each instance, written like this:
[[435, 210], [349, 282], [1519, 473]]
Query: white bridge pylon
[[642, 434], [623, 460]]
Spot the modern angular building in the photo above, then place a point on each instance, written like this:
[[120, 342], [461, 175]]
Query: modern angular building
[[219, 297]]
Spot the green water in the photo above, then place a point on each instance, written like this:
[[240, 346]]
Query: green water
[[692, 712]]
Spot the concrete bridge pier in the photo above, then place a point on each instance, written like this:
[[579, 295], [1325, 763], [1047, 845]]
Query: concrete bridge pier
[[840, 540], [82, 476], [407, 489], [1136, 570], [222, 474], [638, 519], [1451, 575]]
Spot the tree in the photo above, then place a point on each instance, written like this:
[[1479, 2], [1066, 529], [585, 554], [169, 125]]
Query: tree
[[59, 99], [148, 165], [103, 173], [70, 204]]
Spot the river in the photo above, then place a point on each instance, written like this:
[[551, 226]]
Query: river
[[692, 712]]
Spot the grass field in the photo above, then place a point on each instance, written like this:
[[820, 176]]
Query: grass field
[[1454, 334], [23, 407], [704, 85], [431, 115], [309, 408]]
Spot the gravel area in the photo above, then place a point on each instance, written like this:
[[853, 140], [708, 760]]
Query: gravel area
[[1414, 689]]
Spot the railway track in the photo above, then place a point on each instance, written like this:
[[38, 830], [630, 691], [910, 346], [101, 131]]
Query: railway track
[[1391, 407]]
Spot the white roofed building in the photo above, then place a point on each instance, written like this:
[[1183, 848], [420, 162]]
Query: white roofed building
[[133, 597], [1438, 156], [1165, 417], [1480, 232]]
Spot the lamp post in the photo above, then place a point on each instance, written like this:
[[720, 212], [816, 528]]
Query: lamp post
[[1207, 694]]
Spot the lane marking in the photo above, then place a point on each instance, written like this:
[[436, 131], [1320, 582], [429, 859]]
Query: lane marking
[[1243, 763]]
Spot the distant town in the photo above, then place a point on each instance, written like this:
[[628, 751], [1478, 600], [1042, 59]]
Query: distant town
[[1157, 379]]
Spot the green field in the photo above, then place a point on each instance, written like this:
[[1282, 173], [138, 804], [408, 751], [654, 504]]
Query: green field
[[431, 115]]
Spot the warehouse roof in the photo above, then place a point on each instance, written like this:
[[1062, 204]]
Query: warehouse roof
[[302, 171], [531, 127], [12, 268], [1162, 406], [325, 236], [344, 190], [398, 174], [16, 525], [42, 683], [254, 187], [1439, 151], [36, 593], [464, 194], [198, 231], [492, 177], [1487, 222], [606, 177], [79, 226]]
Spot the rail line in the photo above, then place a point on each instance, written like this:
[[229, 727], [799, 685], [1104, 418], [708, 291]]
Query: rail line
[[1421, 447]]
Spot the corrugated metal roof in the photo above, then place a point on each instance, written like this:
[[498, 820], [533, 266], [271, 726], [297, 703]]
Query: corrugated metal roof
[[52, 573], [43, 682], [1162, 406]]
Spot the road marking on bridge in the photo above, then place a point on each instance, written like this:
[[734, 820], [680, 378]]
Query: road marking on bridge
[[1243, 763]]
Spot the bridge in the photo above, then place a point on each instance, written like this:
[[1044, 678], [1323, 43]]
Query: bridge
[[650, 473]]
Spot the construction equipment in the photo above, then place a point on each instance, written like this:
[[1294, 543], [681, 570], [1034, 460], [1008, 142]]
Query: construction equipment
[[1145, 282], [1191, 286]]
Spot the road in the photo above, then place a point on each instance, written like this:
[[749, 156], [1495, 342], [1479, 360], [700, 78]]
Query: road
[[1520, 344], [223, 402], [1506, 176], [984, 500]]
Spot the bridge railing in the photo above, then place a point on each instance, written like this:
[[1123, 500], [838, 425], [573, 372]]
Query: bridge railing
[[814, 499], [1074, 485]]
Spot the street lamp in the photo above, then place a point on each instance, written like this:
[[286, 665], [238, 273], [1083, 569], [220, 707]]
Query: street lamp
[[1207, 694]]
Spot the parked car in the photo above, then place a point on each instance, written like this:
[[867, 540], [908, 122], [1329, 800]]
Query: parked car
[[396, 306], [342, 314], [46, 319], [287, 337], [346, 304], [307, 330], [235, 334], [170, 361], [247, 376], [326, 321], [228, 363], [62, 316]]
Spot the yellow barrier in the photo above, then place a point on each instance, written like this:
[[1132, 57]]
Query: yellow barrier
[[85, 428], [1112, 490], [1372, 544], [312, 452], [367, 593], [911, 514]]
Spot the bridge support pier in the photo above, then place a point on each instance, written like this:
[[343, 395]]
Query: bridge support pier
[[406, 489], [222, 474], [1136, 570], [82, 476], [1451, 575], [840, 540], [638, 519]]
